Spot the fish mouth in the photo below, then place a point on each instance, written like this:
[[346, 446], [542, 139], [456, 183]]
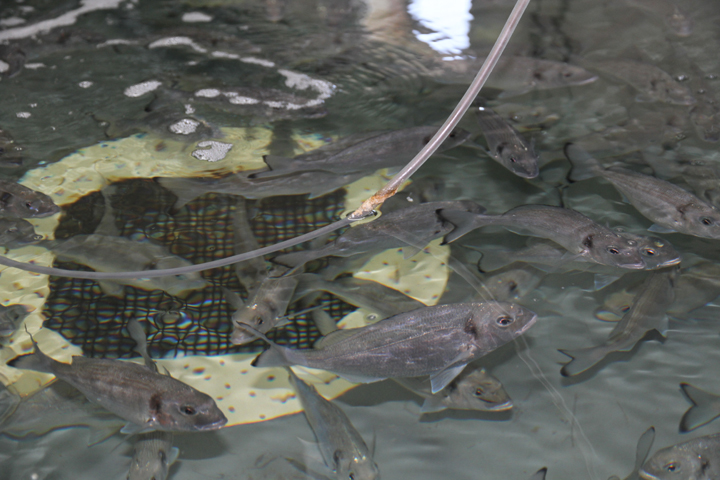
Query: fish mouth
[[633, 266], [213, 426], [528, 324], [669, 263], [500, 407], [587, 80]]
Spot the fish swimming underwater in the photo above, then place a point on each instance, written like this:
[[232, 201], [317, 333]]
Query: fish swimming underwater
[[696, 459], [668, 205], [20, 201], [153, 454], [16, 232], [578, 234], [379, 150], [148, 400], [342, 448], [10, 319], [506, 146], [437, 341]]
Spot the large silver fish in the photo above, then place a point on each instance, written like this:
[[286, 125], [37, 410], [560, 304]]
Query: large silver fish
[[379, 150], [473, 389], [437, 341], [668, 205], [105, 253], [22, 202], [340, 444], [153, 454], [647, 313], [148, 400], [696, 459], [506, 146], [10, 318], [411, 228], [578, 234]]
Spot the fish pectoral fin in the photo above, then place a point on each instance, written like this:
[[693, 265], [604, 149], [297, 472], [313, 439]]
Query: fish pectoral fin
[[660, 229], [441, 379], [174, 454], [602, 281], [312, 458], [100, 434], [131, 429], [432, 404]]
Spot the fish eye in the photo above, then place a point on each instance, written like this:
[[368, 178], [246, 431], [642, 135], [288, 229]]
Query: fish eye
[[625, 308], [258, 320], [504, 320], [479, 392], [567, 74], [513, 160], [613, 250], [12, 229], [187, 410], [671, 467], [648, 251], [706, 221], [512, 286], [351, 476]]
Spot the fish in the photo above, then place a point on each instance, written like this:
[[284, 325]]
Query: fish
[[410, 228], [19, 201], [105, 253], [250, 273], [146, 400], [474, 389], [10, 318], [55, 406], [437, 341], [381, 301], [153, 454], [264, 309], [578, 234], [647, 313], [512, 282], [677, 21], [313, 183], [696, 459], [656, 252], [705, 408], [506, 146], [641, 452], [669, 206], [16, 232], [652, 83], [378, 150], [343, 449]]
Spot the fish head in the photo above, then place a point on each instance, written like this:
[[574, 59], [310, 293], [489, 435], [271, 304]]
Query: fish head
[[558, 74], [674, 462], [655, 252], [493, 324], [185, 409], [258, 315], [615, 306], [703, 219], [355, 467], [518, 158], [153, 467], [16, 231], [613, 250], [478, 391], [28, 204]]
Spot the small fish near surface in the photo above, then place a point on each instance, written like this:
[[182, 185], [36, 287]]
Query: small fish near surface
[[343, 449], [648, 312], [578, 234], [20, 201], [696, 459], [473, 389], [153, 454], [410, 228], [506, 146], [669, 206], [147, 400], [437, 341], [10, 319], [379, 150]]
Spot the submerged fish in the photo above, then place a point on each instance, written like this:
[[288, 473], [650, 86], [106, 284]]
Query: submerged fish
[[669, 206], [675, 19], [10, 319], [148, 400], [250, 273], [473, 389], [411, 228], [379, 150], [341, 446], [577, 233], [696, 459], [437, 341], [105, 253], [16, 232], [705, 408], [506, 146], [22, 202], [153, 454], [647, 313], [652, 83]]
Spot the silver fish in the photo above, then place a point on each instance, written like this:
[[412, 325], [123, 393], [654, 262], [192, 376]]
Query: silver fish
[[10, 319], [264, 309], [705, 408], [105, 253], [647, 313], [473, 389], [577, 233], [669, 206], [16, 232], [696, 459], [148, 400], [153, 454], [437, 341], [411, 228], [506, 146], [379, 150], [22, 202], [652, 83], [341, 446]]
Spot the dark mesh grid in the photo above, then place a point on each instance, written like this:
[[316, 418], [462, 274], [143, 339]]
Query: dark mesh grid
[[202, 231]]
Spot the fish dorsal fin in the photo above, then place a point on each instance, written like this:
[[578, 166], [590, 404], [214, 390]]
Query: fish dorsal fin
[[233, 299], [643, 447], [174, 453], [334, 337]]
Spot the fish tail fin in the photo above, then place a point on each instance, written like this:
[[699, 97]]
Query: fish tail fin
[[275, 356], [432, 404], [701, 412], [582, 359], [464, 222], [36, 361], [584, 165]]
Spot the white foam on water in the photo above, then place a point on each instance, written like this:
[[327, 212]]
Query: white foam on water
[[216, 152], [196, 17], [4, 67], [186, 126], [177, 41], [142, 88], [85, 84], [258, 61], [208, 93]]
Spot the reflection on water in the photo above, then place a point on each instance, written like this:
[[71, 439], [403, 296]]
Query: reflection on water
[[170, 134]]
